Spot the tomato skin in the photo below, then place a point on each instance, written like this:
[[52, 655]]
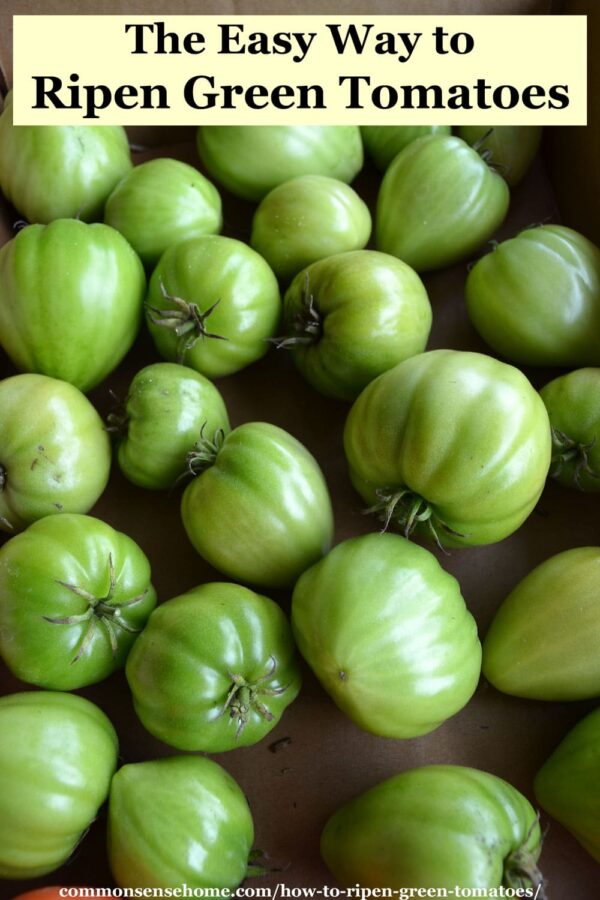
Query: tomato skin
[[249, 161], [512, 148], [384, 142], [161, 202], [573, 405], [189, 807], [543, 641], [181, 669], [72, 298], [58, 753], [167, 408], [210, 270], [261, 513], [438, 203], [373, 312], [60, 171], [434, 827], [54, 452], [35, 568], [355, 614], [306, 219], [535, 299], [567, 784], [466, 435]]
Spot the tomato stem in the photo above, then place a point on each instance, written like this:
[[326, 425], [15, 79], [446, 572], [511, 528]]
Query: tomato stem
[[101, 611], [185, 319], [243, 697], [566, 451], [204, 452], [407, 510], [306, 325]]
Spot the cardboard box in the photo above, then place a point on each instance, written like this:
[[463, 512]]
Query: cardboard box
[[292, 792]]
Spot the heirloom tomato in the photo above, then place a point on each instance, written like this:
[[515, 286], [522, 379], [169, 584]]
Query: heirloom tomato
[[60, 171], [437, 827], [214, 669], [168, 407], [535, 299], [71, 300], [54, 451], [567, 786], [161, 202], [438, 202], [451, 443], [351, 317], [573, 404], [384, 142], [543, 641], [306, 219], [387, 633], [74, 593], [510, 148], [259, 509], [251, 160], [212, 304], [191, 811], [58, 753]]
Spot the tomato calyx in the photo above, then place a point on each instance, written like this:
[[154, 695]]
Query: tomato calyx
[[407, 509], [566, 451], [185, 319], [521, 871], [244, 697], [5, 522], [306, 324], [101, 611], [204, 452]]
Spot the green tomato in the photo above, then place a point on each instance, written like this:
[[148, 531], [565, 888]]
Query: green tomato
[[259, 511], [181, 820], [74, 593], [161, 202], [214, 669], [307, 219], [573, 405], [535, 299], [511, 148], [543, 642], [213, 303], [436, 827], [452, 444], [168, 408], [387, 633], [54, 451], [567, 785], [351, 317], [58, 753], [384, 142], [71, 298], [250, 161], [438, 203], [60, 171]]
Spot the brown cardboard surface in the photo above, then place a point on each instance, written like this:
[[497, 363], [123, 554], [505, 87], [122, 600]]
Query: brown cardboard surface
[[293, 791]]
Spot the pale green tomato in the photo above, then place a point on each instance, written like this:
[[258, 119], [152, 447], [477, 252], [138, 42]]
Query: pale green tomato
[[250, 160], [161, 202], [58, 753], [384, 142], [511, 148], [573, 404], [168, 408], [436, 827], [543, 642], [60, 171], [387, 633], [567, 785], [54, 452], [178, 820], [306, 219]]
